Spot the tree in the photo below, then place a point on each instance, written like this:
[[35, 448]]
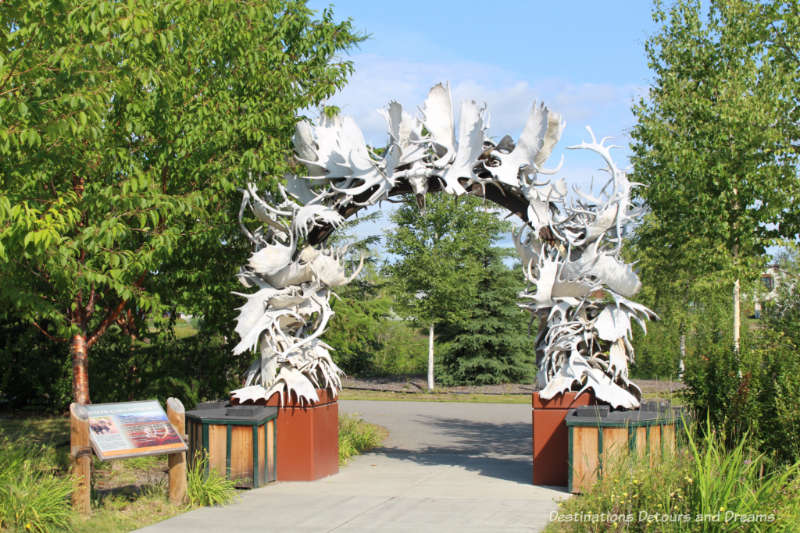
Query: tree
[[125, 129], [776, 23], [493, 344], [712, 146], [440, 260]]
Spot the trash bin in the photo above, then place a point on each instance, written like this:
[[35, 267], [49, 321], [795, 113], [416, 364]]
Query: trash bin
[[240, 442], [597, 435]]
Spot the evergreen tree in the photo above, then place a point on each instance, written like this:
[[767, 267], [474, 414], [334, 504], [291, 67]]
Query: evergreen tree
[[492, 344]]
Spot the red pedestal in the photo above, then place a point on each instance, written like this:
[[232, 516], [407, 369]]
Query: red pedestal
[[550, 437], [308, 438]]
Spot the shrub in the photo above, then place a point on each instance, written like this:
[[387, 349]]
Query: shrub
[[206, 486], [32, 498], [357, 436], [755, 391]]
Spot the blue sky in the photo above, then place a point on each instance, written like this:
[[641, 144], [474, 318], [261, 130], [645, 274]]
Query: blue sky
[[583, 59]]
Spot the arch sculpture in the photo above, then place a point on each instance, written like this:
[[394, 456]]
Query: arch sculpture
[[569, 245]]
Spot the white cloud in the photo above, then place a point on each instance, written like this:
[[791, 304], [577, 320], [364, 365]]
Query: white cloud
[[378, 80]]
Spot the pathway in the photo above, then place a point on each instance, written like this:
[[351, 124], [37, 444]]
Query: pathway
[[445, 467]]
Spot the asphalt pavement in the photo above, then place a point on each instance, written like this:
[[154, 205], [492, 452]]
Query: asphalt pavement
[[444, 467]]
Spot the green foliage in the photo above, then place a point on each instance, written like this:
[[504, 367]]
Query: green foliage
[[449, 273], [440, 255], [658, 352], [32, 498], [357, 436], [705, 143], [192, 369], [701, 313], [755, 391], [717, 157], [125, 130], [492, 344], [704, 479], [35, 372], [368, 337], [207, 486]]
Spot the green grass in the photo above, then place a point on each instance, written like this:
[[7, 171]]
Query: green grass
[[357, 436], [39, 430], [33, 497], [35, 485], [184, 329], [128, 511], [354, 394], [675, 398]]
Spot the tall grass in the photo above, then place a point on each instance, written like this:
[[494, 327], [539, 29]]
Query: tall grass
[[32, 498], [357, 436], [742, 481], [207, 486], [702, 486]]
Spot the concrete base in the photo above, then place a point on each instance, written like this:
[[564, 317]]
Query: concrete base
[[550, 436], [308, 438]]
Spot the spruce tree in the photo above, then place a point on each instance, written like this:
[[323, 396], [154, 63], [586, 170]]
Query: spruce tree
[[492, 345]]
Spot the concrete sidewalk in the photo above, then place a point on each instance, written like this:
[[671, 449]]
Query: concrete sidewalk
[[444, 467]]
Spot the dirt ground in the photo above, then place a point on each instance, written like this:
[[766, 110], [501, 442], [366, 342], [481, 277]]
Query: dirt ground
[[418, 383]]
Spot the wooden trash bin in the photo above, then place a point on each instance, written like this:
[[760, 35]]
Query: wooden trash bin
[[597, 435], [239, 441]]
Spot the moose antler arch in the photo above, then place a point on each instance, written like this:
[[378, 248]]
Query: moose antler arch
[[569, 247]]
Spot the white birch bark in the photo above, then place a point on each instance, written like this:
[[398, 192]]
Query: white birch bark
[[736, 316], [430, 357]]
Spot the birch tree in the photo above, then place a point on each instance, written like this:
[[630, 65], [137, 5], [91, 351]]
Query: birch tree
[[713, 146]]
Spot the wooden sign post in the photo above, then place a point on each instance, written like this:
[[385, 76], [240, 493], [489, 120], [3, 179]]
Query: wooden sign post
[[81, 454], [177, 461]]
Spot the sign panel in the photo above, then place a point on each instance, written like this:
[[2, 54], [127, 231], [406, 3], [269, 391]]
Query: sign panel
[[130, 429]]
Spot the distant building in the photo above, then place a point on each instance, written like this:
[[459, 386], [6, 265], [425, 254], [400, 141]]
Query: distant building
[[771, 279]]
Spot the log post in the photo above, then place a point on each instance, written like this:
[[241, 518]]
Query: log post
[[81, 454], [177, 461]]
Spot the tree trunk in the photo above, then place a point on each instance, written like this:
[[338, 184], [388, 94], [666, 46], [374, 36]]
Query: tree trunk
[[735, 252], [80, 369], [430, 357], [681, 365], [736, 317]]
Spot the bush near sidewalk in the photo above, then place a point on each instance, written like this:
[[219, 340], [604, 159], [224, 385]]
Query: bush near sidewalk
[[357, 436], [207, 488]]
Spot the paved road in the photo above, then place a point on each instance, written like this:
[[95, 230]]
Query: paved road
[[444, 467]]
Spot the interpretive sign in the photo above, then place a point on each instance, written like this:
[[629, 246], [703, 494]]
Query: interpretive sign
[[131, 429]]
